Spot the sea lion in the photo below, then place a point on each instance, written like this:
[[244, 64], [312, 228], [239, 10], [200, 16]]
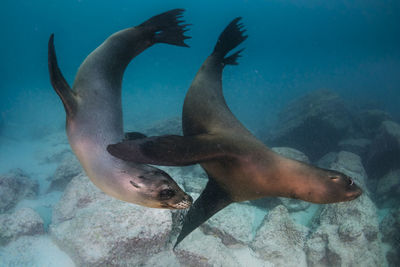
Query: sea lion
[[94, 113], [239, 166]]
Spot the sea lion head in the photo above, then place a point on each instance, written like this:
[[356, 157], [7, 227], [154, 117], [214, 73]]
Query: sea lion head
[[156, 189], [337, 187]]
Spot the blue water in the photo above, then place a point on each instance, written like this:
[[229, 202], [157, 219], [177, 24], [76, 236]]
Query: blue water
[[351, 47], [294, 47]]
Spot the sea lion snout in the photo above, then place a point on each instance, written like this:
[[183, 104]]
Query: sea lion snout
[[354, 194], [185, 203], [341, 187], [159, 190]]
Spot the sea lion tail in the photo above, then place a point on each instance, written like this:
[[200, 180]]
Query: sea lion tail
[[231, 37], [168, 28]]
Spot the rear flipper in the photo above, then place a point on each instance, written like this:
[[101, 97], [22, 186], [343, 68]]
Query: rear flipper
[[59, 83], [167, 28], [171, 150], [231, 37], [213, 199]]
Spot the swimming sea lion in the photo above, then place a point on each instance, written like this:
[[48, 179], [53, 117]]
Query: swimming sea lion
[[239, 166], [94, 113]]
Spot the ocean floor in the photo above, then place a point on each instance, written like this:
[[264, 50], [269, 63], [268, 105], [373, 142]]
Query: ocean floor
[[57, 217]]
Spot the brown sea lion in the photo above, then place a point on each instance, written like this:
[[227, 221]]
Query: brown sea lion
[[239, 166], [94, 113]]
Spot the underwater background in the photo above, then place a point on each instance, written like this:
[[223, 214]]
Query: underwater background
[[333, 64]]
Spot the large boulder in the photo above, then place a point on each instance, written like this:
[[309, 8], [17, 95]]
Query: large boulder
[[234, 224], [37, 250], [384, 153], [369, 121], [279, 240], [68, 169], [24, 221], [201, 250], [346, 234], [59, 148], [15, 186], [192, 178], [198, 249], [357, 146], [95, 229], [314, 124], [390, 228], [388, 188]]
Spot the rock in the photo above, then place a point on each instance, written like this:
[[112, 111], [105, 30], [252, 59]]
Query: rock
[[384, 153], [346, 234], [164, 259], [95, 229], [388, 187], [15, 186], [56, 156], [201, 250], [370, 120], [358, 146], [390, 228], [168, 126], [68, 169], [279, 240], [292, 205], [36, 250], [313, 124], [24, 221], [234, 224], [60, 148], [192, 178]]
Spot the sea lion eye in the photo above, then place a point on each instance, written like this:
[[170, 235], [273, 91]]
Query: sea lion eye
[[351, 182], [166, 194]]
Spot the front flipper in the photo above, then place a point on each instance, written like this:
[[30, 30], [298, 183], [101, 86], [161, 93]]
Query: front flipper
[[58, 81], [213, 199], [170, 150]]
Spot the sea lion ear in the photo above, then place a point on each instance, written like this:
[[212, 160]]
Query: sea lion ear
[[169, 150], [134, 136]]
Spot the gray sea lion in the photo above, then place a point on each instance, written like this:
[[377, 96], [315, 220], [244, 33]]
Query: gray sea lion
[[94, 113], [239, 166]]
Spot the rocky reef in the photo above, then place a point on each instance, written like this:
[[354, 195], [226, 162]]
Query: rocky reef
[[23, 222], [95, 229], [313, 124], [390, 228], [68, 168], [15, 186], [89, 228]]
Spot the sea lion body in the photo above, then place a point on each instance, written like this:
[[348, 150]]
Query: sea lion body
[[239, 166], [94, 114], [205, 112]]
